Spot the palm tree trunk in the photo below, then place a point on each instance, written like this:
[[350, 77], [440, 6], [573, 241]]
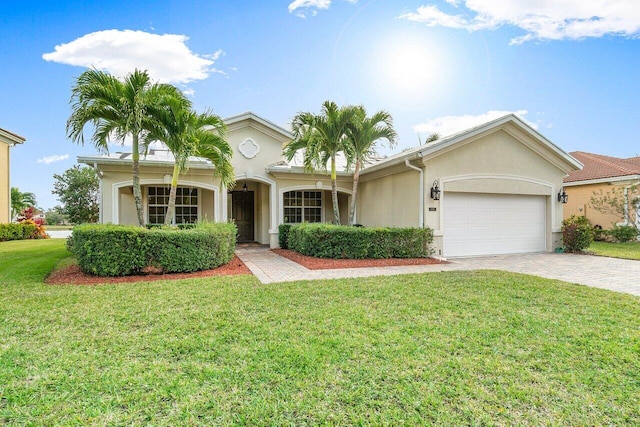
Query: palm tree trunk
[[137, 193], [334, 191], [354, 195], [172, 196]]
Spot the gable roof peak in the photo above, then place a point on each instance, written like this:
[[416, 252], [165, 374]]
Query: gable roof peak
[[249, 115]]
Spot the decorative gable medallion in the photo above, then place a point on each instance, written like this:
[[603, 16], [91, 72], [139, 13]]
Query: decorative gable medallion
[[249, 148]]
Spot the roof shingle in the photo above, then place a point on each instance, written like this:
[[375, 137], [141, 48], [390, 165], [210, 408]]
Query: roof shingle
[[597, 166]]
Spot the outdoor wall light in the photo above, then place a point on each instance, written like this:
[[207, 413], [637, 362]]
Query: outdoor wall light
[[244, 187], [563, 197], [435, 191]]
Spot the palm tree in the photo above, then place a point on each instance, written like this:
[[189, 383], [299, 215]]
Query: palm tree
[[363, 134], [21, 201], [322, 137], [186, 134], [432, 137], [117, 109]]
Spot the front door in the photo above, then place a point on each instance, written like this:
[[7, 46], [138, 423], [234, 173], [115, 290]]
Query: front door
[[242, 213]]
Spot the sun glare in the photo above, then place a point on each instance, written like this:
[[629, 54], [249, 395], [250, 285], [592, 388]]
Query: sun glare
[[408, 69]]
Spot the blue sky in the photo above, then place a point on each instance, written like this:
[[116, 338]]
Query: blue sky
[[572, 70]]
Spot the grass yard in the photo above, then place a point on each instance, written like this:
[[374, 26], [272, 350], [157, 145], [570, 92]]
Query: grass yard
[[441, 348], [627, 250], [58, 227]]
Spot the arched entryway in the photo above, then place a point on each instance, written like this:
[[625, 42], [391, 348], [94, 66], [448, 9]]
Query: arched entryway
[[250, 204]]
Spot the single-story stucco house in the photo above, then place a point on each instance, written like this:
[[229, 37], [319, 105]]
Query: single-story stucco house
[[602, 173], [494, 188], [7, 140]]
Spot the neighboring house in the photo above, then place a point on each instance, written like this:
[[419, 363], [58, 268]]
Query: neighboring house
[[497, 185], [601, 173], [7, 140]]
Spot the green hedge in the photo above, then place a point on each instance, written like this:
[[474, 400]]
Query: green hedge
[[623, 233], [18, 231], [283, 235], [338, 241], [120, 250]]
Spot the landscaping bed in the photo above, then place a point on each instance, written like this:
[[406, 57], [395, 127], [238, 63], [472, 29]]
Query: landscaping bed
[[313, 263], [72, 275]]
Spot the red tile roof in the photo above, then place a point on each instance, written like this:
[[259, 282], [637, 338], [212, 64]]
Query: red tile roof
[[597, 166]]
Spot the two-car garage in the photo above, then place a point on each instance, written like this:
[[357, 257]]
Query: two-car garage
[[490, 190], [491, 224]]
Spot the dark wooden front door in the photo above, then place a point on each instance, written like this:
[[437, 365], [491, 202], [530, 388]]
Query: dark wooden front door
[[242, 212]]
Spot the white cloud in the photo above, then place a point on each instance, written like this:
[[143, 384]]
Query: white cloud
[[165, 56], [542, 20], [302, 7], [52, 159], [449, 125]]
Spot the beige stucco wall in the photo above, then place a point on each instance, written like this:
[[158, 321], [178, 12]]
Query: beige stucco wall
[[270, 150], [390, 200], [579, 204], [5, 191]]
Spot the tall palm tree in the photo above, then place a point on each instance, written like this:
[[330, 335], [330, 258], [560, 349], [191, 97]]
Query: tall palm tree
[[321, 136], [21, 201], [186, 134], [363, 133], [117, 109]]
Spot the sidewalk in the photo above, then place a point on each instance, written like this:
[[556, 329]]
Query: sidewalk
[[608, 273]]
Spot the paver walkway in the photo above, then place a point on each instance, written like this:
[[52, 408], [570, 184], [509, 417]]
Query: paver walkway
[[609, 273]]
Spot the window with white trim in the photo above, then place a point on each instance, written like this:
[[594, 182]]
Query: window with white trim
[[302, 206], [186, 211]]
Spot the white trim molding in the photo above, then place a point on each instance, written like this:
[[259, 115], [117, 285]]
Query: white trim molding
[[273, 219], [308, 187], [249, 148]]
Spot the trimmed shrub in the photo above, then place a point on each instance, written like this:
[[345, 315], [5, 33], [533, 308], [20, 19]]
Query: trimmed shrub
[[119, 250], [338, 241], [21, 231], [283, 235], [577, 233], [109, 250], [192, 249], [624, 233], [599, 235]]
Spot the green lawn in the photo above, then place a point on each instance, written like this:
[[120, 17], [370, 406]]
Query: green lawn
[[628, 250], [58, 227], [443, 348]]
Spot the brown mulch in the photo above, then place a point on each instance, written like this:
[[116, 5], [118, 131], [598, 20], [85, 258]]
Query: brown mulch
[[327, 263], [72, 275]]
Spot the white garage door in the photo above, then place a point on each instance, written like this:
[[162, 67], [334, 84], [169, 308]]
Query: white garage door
[[491, 224]]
